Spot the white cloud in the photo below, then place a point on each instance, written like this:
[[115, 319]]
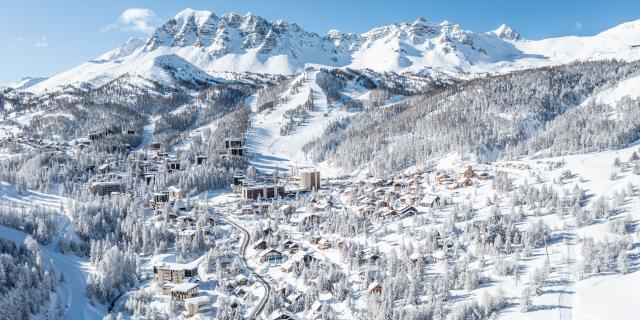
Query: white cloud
[[42, 43], [135, 19], [578, 26]]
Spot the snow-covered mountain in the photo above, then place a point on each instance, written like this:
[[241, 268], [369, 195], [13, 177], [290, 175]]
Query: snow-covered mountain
[[236, 43], [21, 84], [125, 50]]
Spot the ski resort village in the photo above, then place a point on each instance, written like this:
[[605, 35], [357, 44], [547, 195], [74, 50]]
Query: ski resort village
[[232, 167]]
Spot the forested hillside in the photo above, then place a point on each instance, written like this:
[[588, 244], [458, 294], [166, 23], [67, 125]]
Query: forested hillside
[[487, 118]]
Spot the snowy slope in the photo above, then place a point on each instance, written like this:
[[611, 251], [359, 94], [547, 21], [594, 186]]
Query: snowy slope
[[72, 291], [626, 88], [163, 68], [235, 43], [269, 149], [22, 84]]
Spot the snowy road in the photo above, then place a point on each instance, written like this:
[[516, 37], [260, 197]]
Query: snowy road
[[75, 270], [255, 313]]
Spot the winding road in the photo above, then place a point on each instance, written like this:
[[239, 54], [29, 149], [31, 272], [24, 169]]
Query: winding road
[[245, 244]]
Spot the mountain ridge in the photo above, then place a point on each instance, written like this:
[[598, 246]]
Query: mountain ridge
[[250, 43]]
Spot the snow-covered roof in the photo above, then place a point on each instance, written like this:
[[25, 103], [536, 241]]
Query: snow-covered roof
[[178, 266], [266, 251], [184, 287], [430, 198], [439, 255], [199, 300]]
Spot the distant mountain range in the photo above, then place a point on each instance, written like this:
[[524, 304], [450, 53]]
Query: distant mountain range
[[21, 84], [202, 44]]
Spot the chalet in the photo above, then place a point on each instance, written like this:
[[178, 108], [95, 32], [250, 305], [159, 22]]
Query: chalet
[[104, 168], [484, 176], [452, 186], [397, 186], [464, 182], [324, 244], [103, 188], [316, 306], [172, 164], [379, 182], [270, 255], [239, 292], [387, 213], [375, 287], [293, 297], [430, 201], [315, 312], [406, 211], [264, 206], [242, 280], [466, 173], [155, 146], [174, 272], [315, 239], [174, 192], [445, 243], [287, 266], [158, 200], [443, 178], [287, 209], [439, 256], [246, 209], [260, 245], [196, 305], [184, 290], [201, 159], [287, 243], [293, 248], [408, 199]]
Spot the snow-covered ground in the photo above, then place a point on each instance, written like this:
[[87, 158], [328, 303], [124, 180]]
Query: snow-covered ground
[[73, 290], [75, 269]]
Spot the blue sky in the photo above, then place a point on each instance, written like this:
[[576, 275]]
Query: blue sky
[[41, 38]]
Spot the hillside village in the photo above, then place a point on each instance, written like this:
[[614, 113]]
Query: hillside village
[[484, 181]]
